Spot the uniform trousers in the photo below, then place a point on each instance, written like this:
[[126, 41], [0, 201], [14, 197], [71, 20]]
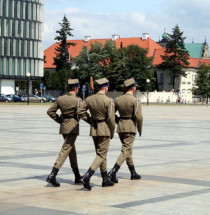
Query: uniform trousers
[[101, 146], [68, 150], [127, 140]]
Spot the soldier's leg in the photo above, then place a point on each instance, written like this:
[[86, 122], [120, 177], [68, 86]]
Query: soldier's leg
[[126, 139], [71, 139], [103, 167], [64, 152], [129, 161], [101, 147]]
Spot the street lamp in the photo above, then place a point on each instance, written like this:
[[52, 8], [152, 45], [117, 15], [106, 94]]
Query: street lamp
[[28, 75], [148, 81]]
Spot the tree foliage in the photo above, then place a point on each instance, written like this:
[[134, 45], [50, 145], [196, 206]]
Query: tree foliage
[[176, 56], [61, 60], [115, 64], [203, 82]]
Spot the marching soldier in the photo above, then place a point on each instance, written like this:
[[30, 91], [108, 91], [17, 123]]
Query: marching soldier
[[102, 121], [69, 128], [129, 109]]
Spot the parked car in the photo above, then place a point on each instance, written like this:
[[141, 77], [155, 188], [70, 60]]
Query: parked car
[[4, 98], [16, 98], [32, 98], [41, 98], [49, 98]]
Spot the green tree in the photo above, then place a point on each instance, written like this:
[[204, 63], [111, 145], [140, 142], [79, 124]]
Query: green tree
[[127, 62], [176, 56], [61, 60], [203, 82], [90, 63], [140, 66], [115, 64]]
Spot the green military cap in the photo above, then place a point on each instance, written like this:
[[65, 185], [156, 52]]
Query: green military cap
[[102, 82], [73, 82], [130, 83]]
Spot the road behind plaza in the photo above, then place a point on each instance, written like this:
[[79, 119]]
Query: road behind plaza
[[172, 156]]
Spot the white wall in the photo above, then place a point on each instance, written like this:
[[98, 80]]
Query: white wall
[[7, 86], [158, 97]]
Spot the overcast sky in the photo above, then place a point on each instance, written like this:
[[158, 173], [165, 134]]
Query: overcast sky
[[128, 18]]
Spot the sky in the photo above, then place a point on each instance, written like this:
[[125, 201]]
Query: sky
[[101, 19]]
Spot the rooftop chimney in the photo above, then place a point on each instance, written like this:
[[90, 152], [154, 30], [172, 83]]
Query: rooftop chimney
[[115, 36], [87, 38], [145, 36]]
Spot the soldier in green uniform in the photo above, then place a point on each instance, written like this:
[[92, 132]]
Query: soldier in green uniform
[[69, 128], [102, 121], [129, 109]]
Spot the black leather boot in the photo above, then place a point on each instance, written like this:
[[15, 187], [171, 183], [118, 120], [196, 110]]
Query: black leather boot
[[52, 177], [78, 177], [106, 180], [86, 178], [134, 175], [113, 172]]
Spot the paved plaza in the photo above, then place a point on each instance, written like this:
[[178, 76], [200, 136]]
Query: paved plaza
[[173, 157]]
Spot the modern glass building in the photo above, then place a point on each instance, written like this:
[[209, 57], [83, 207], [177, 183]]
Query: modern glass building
[[21, 39]]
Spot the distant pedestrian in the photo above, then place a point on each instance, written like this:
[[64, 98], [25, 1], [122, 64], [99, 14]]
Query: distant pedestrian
[[69, 128], [129, 108]]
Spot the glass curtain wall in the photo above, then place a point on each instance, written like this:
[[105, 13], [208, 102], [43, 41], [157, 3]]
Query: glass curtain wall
[[21, 37]]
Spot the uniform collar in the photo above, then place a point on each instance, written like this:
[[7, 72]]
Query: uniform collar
[[100, 93], [71, 94], [129, 93]]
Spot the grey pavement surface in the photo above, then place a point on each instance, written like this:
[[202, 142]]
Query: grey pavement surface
[[173, 157]]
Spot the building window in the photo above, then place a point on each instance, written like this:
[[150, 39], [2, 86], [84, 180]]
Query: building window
[[161, 79], [0, 27]]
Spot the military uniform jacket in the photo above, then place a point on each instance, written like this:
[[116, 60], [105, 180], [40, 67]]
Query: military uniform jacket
[[68, 105], [101, 107], [130, 107]]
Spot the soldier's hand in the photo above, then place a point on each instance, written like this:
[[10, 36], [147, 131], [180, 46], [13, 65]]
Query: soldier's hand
[[90, 120]]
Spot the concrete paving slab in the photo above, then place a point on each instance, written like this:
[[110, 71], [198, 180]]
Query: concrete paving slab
[[172, 156]]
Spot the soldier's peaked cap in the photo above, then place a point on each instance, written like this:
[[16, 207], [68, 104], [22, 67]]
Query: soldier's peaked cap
[[130, 82], [73, 82], [102, 82]]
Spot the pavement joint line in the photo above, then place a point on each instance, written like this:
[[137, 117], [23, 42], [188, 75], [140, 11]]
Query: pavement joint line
[[122, 175], [162, 198], [171, 156]]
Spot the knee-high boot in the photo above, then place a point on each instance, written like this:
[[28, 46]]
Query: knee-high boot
[[113, 172], [52, 177], [134, 175], [78, 177], [106, 180], [86, 178]]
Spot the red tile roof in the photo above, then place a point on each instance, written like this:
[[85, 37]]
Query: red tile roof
[[154, 50]]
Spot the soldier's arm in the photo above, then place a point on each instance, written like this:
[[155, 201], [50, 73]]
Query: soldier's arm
[[116, 116], [111, 117], [83, 114], [52, 112], [138, 116]]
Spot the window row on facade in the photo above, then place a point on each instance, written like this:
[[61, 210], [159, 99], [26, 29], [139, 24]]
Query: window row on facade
[[21, 29], [19, 67], [19, 9], [190, 78], [21, 48]]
